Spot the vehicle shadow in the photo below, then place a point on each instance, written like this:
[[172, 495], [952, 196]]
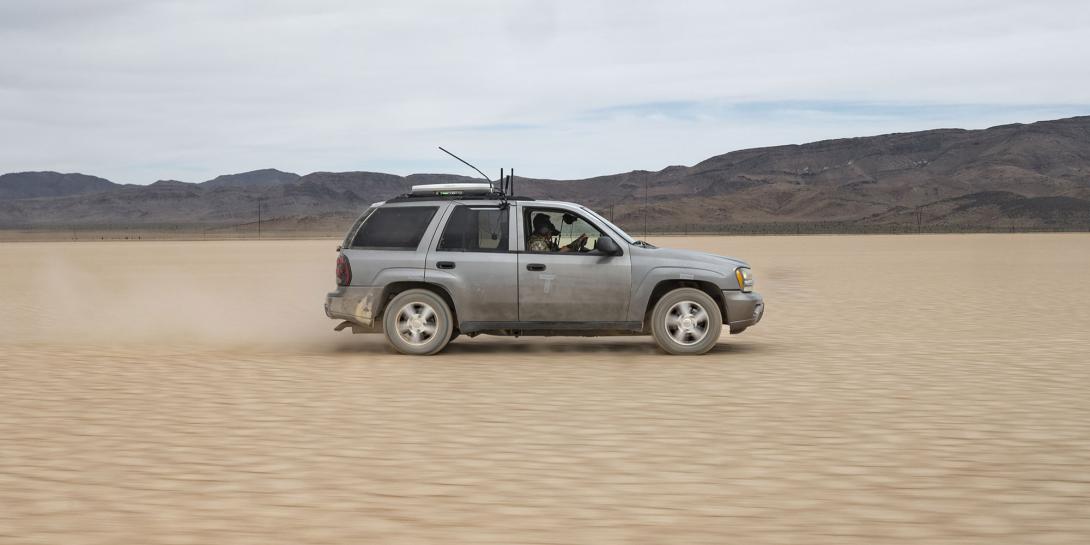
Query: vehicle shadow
[[492, 346]]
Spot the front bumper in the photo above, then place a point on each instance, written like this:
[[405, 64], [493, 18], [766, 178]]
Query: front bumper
[[743, 309], [356, 304]]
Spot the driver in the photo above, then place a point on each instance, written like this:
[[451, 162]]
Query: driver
[[542, 238]]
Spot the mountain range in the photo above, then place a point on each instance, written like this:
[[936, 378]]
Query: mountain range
[[1024, 175]]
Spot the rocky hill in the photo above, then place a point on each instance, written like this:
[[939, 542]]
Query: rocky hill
[[1026, 176], [316, 196], [30, 185], [1030, 175], [256, 178]]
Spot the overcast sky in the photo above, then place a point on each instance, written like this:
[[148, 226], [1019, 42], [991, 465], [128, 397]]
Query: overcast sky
[[140, 90]]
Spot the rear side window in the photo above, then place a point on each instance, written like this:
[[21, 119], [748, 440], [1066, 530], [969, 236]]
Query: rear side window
[[355, 226], [475, 230], [394, 228]]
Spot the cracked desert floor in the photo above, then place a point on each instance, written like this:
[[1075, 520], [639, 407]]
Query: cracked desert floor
[[901, 389]]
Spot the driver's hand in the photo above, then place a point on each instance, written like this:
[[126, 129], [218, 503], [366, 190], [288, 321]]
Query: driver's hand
[[576, 244]]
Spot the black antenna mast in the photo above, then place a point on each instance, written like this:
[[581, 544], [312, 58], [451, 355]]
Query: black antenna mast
[[469, 165]]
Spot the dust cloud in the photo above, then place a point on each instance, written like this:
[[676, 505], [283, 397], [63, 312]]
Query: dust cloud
[[265, 294]]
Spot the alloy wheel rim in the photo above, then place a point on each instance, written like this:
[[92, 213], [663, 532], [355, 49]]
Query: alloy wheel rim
[[687, 323], [417, 323]]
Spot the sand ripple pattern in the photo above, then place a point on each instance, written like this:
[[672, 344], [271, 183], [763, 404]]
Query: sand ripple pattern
[[883, 400]]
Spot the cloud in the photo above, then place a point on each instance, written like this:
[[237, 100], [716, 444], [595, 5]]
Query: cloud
[[793, 111], [137, 91]]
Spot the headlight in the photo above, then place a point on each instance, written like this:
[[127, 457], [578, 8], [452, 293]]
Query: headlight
[[745, 278]]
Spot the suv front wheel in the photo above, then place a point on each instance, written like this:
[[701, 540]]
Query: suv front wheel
[[418, 323], [686, 321]]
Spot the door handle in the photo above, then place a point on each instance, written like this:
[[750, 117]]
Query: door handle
[[444, 265], [535, 267]]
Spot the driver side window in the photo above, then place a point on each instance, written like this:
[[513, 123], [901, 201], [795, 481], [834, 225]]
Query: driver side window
[[551, 230]]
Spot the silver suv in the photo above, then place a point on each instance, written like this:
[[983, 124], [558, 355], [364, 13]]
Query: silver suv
[[461, 259]]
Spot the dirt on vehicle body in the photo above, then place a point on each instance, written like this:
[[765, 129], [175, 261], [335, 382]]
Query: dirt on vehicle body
[[448, 260]]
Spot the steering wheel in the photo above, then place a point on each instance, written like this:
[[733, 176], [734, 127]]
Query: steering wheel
[[583, 246]]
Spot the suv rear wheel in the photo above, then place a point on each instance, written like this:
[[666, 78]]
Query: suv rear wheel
[[686, 321], [418, 323]]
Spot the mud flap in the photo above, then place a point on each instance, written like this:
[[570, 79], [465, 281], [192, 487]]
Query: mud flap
[[357, 328]]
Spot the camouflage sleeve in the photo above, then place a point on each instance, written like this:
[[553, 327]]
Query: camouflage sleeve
[[539, 244]]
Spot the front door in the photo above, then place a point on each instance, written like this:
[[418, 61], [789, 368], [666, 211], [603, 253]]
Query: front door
[[562, 280]]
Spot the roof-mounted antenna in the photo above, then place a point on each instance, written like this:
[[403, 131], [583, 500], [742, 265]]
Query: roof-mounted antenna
[[503, 191], [470, 166]]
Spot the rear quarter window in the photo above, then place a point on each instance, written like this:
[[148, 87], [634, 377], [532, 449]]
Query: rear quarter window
[[394, 228], [350, 236]]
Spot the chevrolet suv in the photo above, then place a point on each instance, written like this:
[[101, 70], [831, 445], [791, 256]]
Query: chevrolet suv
[[455, 259]]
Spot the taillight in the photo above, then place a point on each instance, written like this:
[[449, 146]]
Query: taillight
[[344, 271]]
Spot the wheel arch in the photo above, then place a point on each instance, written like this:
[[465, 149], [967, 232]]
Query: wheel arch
[[392, 290], [666, 286]]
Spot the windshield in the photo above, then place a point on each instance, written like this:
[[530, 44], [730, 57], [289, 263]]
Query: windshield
[[609, 224]]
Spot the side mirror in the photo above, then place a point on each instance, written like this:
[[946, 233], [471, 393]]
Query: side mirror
[[607, 246]]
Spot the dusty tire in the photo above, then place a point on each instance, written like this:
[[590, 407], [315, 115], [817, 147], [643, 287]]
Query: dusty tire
[[418, 323], [686, 321]]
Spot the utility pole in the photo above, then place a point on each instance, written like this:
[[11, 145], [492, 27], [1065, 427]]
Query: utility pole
[[645, 208], [259, 218]]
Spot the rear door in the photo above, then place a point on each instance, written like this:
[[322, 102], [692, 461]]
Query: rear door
[[472, 257], [570, 286], [390, 242]]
